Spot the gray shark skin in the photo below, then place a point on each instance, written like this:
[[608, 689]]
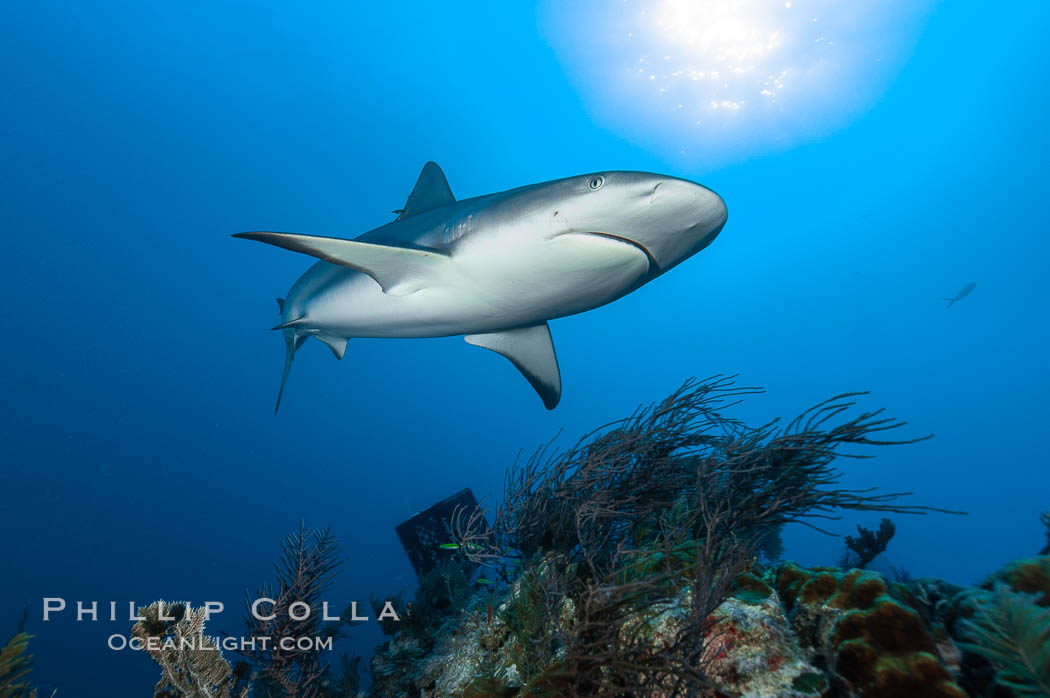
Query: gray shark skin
[[496, 268], [966, 290]]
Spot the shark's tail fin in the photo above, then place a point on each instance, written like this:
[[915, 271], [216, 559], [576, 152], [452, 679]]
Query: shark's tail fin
[[292, 342], [951, 302]]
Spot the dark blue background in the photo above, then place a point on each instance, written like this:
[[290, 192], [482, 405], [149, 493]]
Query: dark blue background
[[141, 458]]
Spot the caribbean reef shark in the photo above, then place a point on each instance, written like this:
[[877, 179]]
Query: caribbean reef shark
[[495, 268]]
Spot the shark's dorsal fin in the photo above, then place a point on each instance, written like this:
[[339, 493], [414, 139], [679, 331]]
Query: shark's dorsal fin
[[431, 191], [398, 270], [531, 351]]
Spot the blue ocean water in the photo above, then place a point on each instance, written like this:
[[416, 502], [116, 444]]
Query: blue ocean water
[[142, 459]]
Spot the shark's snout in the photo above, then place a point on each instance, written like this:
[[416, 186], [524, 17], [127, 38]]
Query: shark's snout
[[712, 216], [690, 200], [681, 218]]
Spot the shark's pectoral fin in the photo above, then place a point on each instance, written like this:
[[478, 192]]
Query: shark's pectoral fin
[[398, 270], [531, 350]]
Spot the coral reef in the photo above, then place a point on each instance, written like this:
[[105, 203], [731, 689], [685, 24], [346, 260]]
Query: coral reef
[[782, 632], [645, 560], [172, 633], [630, 563]]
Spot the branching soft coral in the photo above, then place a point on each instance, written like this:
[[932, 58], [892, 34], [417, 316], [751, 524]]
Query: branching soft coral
[[613, 487], [191, 664]]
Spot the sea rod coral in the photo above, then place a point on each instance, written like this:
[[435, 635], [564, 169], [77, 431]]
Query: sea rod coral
[[627, 542], [15, 665]]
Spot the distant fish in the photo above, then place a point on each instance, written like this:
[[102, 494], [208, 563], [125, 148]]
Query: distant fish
[[966, 290]]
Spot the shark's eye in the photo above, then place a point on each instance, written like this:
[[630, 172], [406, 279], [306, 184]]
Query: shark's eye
[[596, 182]]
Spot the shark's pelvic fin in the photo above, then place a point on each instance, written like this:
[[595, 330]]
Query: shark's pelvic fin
[[399, 270], [531, 351], [431, 191], [336, 344], [292, 342], [280, 305]]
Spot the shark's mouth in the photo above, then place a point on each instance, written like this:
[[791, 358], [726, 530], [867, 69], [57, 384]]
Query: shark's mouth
[[654, 266]]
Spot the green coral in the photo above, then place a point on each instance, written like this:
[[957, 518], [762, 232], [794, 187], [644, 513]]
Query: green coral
[[810, 682], [1011, 631], [488, 687], [750, 588], [15, 665], [532, 639]]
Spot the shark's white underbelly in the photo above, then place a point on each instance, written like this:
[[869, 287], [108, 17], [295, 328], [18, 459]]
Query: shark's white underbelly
[[487, 288]]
